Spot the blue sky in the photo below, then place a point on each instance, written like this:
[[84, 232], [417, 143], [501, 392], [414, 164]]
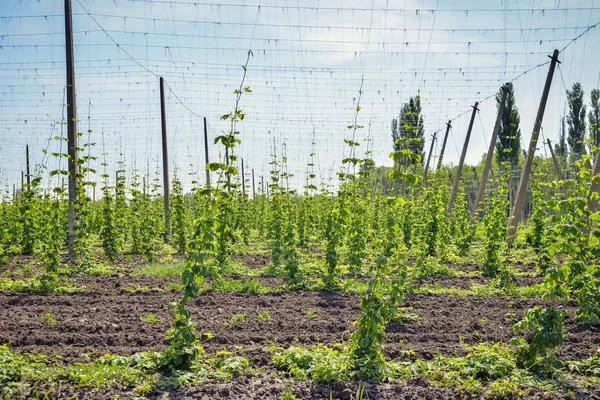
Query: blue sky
[[309, 60]]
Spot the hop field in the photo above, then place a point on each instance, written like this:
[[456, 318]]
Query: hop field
[[378, 278]]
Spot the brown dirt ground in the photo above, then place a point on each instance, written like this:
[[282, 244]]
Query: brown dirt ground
[[106, 318]]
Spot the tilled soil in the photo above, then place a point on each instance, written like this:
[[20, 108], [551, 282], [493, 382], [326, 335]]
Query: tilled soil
[[110, 322], [105, 318]]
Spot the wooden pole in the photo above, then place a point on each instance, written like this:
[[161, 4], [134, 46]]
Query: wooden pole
[[253, 185], [490, 154], [462, 160], [522, 189], [554, 159], [262, 185], [27, 167], [243, 179], [448, 126], [165, 154], [72, 148], [429, 158], [206, 155]]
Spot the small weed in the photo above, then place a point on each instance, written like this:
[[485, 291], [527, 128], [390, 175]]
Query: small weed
[[322, 364], [236, 319], [150, 318], [264, 316], [288, 393], [49, 319], [311, 315], [141, 289], [100, 269]]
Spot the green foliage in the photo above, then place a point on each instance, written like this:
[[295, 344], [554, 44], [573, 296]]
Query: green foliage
[[14, 367], [537, 236], [408, 130], [431, 217], [264, 316], [213, 237], [576, 120], [588, 367], [149, 318], [333, 235], [594, 117], [40, 284], [320, 364], [560, 148], [166, 269], [379, 305], [137, 373], [183, 347], [29, 207], [108, 231], [495, 231], [546, 334], [462, 230], [49, 319], [294, 274], [508, 146], [178, 211], [82, 208]]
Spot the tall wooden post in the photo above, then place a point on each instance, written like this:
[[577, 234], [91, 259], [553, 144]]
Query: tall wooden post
[[554, 159], [165, 154], [429, 158], [522, 189], [243, 179], [206, 155], [253, 186], [27, 167], [448, 126], [490, 154], [462, 160], [71, 126]]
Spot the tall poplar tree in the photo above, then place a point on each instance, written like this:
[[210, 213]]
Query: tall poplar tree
[[576, 120], [408, 128], [508, 144], [594, 116], [560, 148]]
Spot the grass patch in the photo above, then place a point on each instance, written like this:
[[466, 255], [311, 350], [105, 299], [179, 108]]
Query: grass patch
[[489, 370], [486, 290], [38, 285], [168, 269], [320, 363], [24, 374]]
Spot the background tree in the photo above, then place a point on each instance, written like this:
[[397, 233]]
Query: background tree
[[407, 129], [560, 148], [576, 120], [508, 145], [594, 116]]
